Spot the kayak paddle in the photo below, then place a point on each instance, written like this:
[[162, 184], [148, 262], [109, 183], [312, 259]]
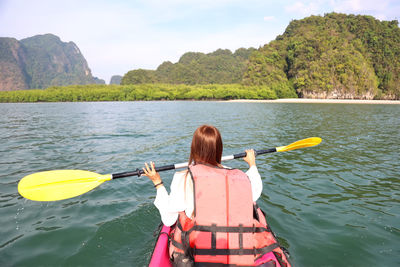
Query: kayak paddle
[[64, 184]]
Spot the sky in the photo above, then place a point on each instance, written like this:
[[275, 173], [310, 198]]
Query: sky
[[117, 36]]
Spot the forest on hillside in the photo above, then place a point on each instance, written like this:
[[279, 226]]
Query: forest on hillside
[[335, 56], [218, 67], [331, 56]]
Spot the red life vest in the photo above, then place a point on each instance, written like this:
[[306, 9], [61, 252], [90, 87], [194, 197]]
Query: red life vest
[[227, 227]]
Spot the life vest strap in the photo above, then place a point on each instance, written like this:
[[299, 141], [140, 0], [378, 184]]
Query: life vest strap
[[217, 264], [254, 251], [228, 229], [225, 229], [177, 244]]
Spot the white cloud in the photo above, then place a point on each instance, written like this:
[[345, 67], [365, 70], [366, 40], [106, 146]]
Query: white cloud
[[382, 10], [304, 8], [358, 5]]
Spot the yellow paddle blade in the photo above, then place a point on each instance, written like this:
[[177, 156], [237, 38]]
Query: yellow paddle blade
[[312, 141], [59, 184]]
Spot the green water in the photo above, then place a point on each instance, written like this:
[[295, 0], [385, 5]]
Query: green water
[[337, 204]]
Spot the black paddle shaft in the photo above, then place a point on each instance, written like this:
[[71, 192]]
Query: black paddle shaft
[[139, 172], [258, 152]]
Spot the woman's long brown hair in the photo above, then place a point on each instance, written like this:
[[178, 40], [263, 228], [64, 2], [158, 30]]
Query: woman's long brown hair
[[206, 146]]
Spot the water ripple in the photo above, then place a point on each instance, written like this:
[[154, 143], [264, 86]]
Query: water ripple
[[340, 198]]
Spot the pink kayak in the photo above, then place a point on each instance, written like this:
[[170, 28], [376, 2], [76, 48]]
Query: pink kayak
[[160, 255]]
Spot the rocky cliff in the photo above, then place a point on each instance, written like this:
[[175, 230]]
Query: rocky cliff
[[41, 61], [12, 62]]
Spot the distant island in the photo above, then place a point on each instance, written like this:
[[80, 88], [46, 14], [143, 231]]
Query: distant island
[[116, 79], [335, 56]]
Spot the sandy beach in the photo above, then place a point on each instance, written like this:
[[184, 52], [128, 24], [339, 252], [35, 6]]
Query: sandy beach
[[326, 101]]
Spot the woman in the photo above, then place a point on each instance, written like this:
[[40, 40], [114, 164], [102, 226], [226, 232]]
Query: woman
[[206, 148], [213, 207]]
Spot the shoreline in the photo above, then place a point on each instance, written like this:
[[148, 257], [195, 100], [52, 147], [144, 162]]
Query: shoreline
[[317, 101]]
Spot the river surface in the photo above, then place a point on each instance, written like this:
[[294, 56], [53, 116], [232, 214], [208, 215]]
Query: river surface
[[336, 204]]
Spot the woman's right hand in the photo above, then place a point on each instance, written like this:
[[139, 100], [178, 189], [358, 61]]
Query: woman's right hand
[[151, 173], [250, 157]]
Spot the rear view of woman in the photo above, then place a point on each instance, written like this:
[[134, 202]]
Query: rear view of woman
[[217, 221]]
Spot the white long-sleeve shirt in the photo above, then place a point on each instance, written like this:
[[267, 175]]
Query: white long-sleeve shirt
[[181, 199]]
